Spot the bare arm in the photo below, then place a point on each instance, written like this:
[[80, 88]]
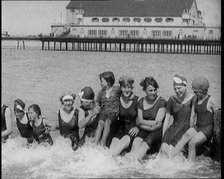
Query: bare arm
[[154, 123], [166, 122], [141, 121], [211, 106], [193, 114], [8, 120], [82, 120]]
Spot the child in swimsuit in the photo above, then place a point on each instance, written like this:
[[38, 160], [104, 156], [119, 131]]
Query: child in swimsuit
[[108, 99], [41, 127]]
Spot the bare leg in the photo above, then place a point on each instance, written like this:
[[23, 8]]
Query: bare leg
[[121, 145], [141, 152], [106, 132], [199, 138], [189, 134], [136, 143], [170, 151], [99, 131], [114, 143], [163, 150]]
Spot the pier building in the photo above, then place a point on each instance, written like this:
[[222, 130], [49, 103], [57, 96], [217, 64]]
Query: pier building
[[135, 19]]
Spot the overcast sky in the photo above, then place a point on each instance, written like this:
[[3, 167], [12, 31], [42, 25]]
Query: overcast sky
[[34, 17]]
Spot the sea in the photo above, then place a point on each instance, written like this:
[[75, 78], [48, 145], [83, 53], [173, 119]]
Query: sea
[[41, 76]]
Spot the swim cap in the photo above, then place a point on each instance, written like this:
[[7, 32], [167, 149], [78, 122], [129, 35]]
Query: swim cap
[[19, 105], [87, 94], [200, 83], [179, 80]]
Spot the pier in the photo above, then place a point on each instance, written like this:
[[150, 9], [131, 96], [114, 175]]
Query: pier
[[176, 46]]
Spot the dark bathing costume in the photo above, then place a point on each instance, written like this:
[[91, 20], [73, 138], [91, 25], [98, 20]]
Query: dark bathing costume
[[181, 114], [3, 122], [90, 128], [40, 135], [127, 118], [204, 119], [151, 137], [25, 130], [70, 129]]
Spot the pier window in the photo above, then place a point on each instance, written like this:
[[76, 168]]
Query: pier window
[[105, 19], [158, 19], [167, 33], [134, 33], [92, 32], [95, 19], [115, 19], [126, 19], [137, 19], [210, 32], [169, 19], [156, 33], [102, 33], [123, 32], [147, 19]]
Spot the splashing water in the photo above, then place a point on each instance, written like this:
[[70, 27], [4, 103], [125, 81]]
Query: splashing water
[[60, 161]]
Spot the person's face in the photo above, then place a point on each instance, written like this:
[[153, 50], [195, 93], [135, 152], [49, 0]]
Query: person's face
[[32, 114], [68, 103], [86, 104], [199, 93], [19, 114], [126, 90], [103, 83], [180, 90], [151, 92]]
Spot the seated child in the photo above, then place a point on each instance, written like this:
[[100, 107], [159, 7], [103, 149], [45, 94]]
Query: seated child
[[108, 99]]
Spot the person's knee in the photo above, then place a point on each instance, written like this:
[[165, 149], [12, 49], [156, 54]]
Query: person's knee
[[107, 122], [145, 145], [101, 123], [137, 141], [189, 134]]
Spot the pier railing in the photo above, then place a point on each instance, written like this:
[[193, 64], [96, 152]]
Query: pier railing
[[189, 46], [181, 46]]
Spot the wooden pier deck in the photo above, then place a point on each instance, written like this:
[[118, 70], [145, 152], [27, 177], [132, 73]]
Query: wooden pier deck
[[185, 46]]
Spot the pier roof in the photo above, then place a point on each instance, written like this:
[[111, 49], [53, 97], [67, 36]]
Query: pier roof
[[131, 8]]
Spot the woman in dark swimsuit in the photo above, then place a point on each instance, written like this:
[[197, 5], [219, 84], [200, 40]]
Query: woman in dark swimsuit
[[88, 111], [22, 121], [151, 112], [127, 128], [201, 124], [179, 106], [68, 120]]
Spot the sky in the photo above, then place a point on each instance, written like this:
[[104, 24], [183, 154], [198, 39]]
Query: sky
[[35, 17]]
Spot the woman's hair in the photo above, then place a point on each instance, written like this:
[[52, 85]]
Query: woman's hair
[[36, 109], [200, 83], [149, 81], [108, 76], [61, 97], [126, 80]]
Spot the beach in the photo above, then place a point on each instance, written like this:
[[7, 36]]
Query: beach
[[41, 77]]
